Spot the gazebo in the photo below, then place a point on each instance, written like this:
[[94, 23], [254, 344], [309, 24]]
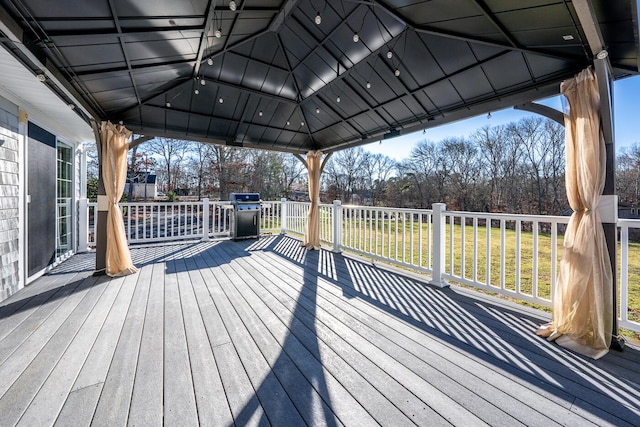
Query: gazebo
[[308, 78]]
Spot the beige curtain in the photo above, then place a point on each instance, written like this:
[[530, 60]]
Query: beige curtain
[[114, 173], [312, 235], [582, 306]]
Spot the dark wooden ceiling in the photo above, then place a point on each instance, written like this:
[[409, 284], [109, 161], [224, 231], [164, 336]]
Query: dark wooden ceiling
[[277, 80]]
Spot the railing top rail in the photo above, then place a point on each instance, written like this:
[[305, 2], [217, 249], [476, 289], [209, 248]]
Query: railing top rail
[[628, 222], [512, 217], [387, 209]]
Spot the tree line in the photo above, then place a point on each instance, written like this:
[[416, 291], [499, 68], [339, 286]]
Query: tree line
[[516, 168]]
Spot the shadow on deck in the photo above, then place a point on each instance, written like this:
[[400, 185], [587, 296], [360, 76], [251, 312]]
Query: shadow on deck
[[264, 332]]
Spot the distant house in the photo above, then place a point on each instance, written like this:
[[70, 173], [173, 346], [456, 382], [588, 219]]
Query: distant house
[[144, 186], [628, 210]]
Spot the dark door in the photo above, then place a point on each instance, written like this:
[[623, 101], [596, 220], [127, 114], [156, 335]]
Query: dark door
[[41, 207]]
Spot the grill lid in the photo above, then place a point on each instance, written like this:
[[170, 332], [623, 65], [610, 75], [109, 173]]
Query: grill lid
[[244, 198]]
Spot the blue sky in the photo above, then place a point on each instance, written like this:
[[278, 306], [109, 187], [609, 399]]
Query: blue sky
[[626, 103]]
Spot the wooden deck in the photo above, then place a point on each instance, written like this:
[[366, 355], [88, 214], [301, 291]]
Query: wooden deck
[[264, 332]]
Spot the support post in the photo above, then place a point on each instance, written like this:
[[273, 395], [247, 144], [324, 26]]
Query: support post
[[609, 226], [101, 212], [283, 215], [205, 219], [337, 226], [83, 225], [438, 245]]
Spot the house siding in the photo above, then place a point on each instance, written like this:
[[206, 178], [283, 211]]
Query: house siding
[[9, 200]]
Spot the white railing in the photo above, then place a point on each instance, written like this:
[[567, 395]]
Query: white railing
[[512, 255], [629, 278], [159, 221], [400, 236]]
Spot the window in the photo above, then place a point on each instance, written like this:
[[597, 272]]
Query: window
[[64, 232]]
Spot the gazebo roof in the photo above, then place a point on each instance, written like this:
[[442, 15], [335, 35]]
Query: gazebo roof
[[276, 79]]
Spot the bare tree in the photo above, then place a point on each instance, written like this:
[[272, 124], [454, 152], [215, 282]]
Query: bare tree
[[529, 134], [628, 174], [344, 171], [377, 169], [292, 171], [464, 172], [420, 168], [231, 169], [199, 162], [172, 153], [492, 149]]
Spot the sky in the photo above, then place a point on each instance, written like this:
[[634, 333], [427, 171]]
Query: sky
[[626, 110]]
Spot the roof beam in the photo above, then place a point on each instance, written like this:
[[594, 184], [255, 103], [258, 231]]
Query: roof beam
[[463, 37], [491, 17], [252, 91], [139, 140], [635, 18], [589, 23], [286, 9], [185, 137], [543, 110], [114, 15], [320, 43], [32, 60], [123, 31], [133, 67], [204, 40]]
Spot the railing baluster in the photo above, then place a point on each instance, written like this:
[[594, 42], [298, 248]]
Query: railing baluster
[[554, 256], [624, 274], [452, 232], [487, 279], [518, 249], [411, 240], [503, 254], [534, 266], [475, 249], [420, 222], [463, 243]]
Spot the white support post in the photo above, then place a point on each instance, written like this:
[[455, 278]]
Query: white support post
[[83, 225], [438, 245], [205, 219], [283, 215], [337, 226]]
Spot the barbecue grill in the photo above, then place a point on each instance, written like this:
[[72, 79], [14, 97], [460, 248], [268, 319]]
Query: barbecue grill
[[245, 221]]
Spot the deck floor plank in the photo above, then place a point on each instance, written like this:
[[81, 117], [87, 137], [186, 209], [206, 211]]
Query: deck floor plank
[[236, 382], [19, 397], [15, 309], [47, 404], [37, 330], [481, 381], [81, 402], [147, 408], [288, 349], [306, 399], [212, 405], [615, 408], [36, 313], [264, 332], [179, 397], [278, 407], [115, 398], [357, 330], [362, 378], [431, 359]]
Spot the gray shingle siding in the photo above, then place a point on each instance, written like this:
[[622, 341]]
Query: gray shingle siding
[[9, 191]]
